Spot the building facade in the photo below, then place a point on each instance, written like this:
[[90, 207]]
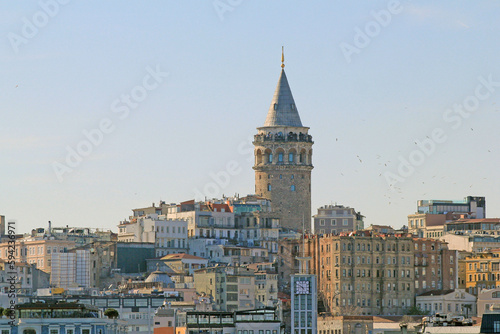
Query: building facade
[[482, 271], [37, 251], [304, 312], [362, 273], [455, 301], [168, 235], [431, 216], [231, 288], [436, 266], [61, 317], [488, 300], [333, 219]]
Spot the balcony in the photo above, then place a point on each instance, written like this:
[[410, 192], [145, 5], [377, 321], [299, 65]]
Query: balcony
[[290, 137]]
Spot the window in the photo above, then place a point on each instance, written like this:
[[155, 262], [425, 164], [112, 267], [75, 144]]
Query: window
[[344, 222], [292, 187], [290, 157], [269, 187], [321, 222], [280, 157], [270, 158]]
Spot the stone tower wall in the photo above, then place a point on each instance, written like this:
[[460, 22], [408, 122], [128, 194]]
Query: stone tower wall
[[289, 181]]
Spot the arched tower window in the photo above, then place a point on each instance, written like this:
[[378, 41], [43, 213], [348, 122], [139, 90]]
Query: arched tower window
[[292, 188], [269, 187], [281, 155], [269, 156], [291, 155], [258, 157], [302, 157]]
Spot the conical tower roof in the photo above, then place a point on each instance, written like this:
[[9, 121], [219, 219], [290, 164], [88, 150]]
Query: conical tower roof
[[283, 111]]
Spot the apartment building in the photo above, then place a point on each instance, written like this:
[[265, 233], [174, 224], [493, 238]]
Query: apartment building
[[333, 219], [37, 251], [436, 266], [80, 235], [168, 235], [266, 284], [363, 273], [231, 288], [28, 278], [431, 216], [482, 271]]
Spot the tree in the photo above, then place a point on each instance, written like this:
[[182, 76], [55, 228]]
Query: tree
[[111, 313], [7, 312], [346, 310], [415, 310]]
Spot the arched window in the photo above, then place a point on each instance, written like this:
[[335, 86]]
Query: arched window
[[290, 157], [292, 188], [270, 158], [269, 187], [258, 157], [280, 157]]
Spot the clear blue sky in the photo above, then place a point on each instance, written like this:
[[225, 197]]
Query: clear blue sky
[[365, 114]]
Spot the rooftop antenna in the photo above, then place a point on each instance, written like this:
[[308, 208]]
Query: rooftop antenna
[[303, 259], [283, 57]]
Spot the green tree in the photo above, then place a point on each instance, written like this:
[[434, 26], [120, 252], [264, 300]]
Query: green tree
[[7, 312], [415, 310], [111, 313]]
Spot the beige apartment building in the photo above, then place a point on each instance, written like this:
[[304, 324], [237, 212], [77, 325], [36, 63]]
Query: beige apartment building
[[266, 284], [36, 251], [231, 288], [363, 273]]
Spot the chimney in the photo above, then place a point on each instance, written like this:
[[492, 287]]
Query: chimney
[[50, 228]]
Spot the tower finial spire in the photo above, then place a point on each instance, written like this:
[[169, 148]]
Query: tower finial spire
[[282, 57]]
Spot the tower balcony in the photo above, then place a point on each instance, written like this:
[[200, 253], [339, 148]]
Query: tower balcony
[[290, 137]]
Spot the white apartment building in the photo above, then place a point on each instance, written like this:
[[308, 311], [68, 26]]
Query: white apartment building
[[170, 236]]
